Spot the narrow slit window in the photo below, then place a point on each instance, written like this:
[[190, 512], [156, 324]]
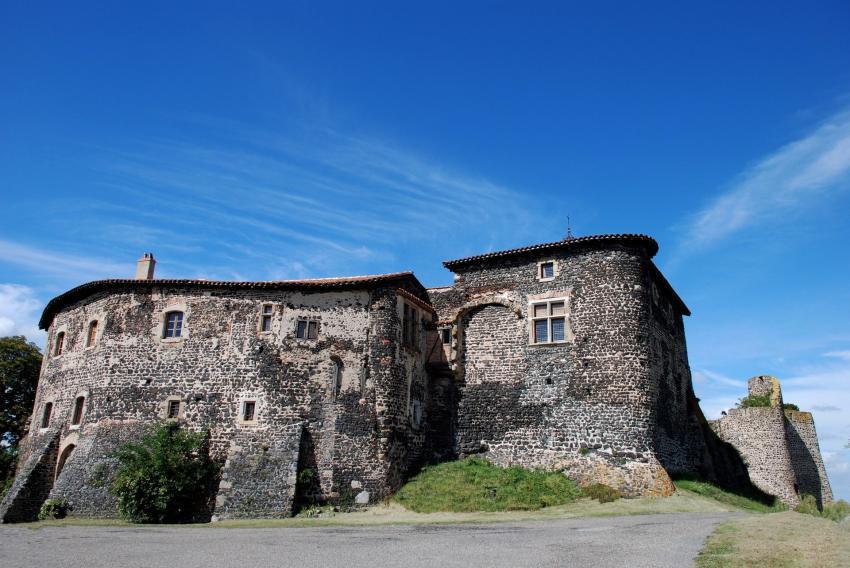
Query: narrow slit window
[[173, 409], [59, 344], [249, 409], [173, 324], [91, 337], [336, 377], [77, 416], [45, 415], [266, 322]]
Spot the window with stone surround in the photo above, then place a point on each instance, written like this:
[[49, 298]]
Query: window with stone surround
[[306, 329], [547, 270], [549, 321], [45, 415], [446, 335], [173, 410], [266, 318], [91, 335], [249, 411], [77, 415], [59, 344], [173, 325]]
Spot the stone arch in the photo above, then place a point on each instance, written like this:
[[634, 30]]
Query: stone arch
[[488, 300], [63, 458]]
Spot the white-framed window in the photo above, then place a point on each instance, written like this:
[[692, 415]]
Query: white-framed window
[[266, 318], [547, 270], [306, 329], [548, 321]]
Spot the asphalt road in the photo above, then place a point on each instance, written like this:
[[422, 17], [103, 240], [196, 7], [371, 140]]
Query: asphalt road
[[634, 541]]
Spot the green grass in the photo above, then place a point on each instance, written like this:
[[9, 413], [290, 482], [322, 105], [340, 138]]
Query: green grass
[[835, 511], [477, 485], [750, 501]]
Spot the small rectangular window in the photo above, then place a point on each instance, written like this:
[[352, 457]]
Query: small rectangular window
[[77, 416], [558, 329], [60, 343], [266, 323], [173, 408], [446, 335], [45, 416], [547, 270], [312, 330], [248, 409], [301, 329]]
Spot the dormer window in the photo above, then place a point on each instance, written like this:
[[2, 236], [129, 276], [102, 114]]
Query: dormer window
[[59, 343], [173, 325], [91, 335]]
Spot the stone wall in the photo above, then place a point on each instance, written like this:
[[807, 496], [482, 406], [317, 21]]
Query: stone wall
[[779, 446], [588, 404], [358, 434]]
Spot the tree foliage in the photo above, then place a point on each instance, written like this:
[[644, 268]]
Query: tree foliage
[[20, 363], [165, 478]]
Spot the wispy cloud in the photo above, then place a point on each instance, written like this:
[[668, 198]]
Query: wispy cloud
[[792, 177], [845, 355], [66, 266], [704, 376], [19, 311]]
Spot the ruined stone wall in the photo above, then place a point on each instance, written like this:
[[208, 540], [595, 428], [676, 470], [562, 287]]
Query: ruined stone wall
[[224, 359], [806, 457], [586, 404]]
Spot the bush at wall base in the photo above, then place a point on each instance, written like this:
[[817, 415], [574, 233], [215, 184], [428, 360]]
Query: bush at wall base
[[53, 509], [166, 477]]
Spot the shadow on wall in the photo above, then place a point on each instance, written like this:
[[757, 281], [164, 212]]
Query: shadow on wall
[[805, 467]]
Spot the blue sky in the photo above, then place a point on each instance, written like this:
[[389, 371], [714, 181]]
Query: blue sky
[[287, 140]]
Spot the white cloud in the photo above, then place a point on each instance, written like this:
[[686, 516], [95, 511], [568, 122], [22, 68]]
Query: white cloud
[[19, 312], [67, 266], [839, 354], [791, 178], [704, 376]]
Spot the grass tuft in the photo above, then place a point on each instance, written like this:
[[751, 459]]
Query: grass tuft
[[474, 484], [748, 500], [601, 492]]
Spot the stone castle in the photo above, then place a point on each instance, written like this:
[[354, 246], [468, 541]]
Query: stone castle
[[567, 355]]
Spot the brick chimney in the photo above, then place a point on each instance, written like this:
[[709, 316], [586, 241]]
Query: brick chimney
[[145, 267]]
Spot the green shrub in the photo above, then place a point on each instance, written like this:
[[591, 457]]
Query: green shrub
[[474, 484], [790, 406], [754, 401], [5, 485], [165, 478], [601, 492], [53, 509]]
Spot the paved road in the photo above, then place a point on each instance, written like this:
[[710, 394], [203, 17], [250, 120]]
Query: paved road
[[644, 540]]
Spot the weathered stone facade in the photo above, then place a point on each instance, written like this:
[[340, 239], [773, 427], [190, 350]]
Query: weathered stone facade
[[568, 355], [780, 447]]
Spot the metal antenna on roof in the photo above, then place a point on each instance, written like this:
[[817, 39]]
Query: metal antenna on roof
[[569, 230]]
